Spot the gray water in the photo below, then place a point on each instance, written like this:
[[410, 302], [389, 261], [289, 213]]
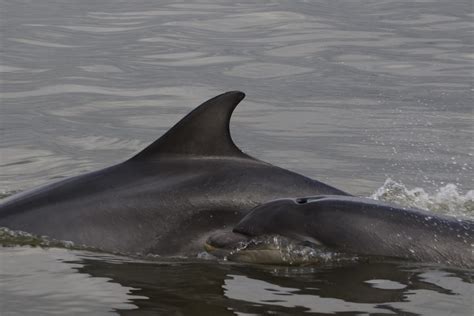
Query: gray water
[[373, 97]]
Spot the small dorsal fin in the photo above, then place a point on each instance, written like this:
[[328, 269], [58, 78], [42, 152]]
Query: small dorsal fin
[[203, 132]]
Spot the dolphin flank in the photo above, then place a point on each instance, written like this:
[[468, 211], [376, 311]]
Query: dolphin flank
[[167, 199]]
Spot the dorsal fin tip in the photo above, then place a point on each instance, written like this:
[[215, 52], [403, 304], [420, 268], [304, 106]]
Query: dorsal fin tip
[[203, 132]]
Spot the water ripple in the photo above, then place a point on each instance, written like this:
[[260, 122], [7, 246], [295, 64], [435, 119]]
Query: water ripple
[[40, 43]]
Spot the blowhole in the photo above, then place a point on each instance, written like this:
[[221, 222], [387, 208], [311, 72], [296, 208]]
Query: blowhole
[[301, 200]]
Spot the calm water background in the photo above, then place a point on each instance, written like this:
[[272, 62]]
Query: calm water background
[[348, 92]]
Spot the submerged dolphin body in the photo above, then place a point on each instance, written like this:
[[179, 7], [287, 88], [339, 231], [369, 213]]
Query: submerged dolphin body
[[165, 200], [362, 226]]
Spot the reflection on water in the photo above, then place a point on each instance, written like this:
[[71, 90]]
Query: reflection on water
[[349, 92], [264, 293], [57, 281], [38, 282]]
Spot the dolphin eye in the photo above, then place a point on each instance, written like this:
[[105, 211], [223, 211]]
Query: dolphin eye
[[301, 200]]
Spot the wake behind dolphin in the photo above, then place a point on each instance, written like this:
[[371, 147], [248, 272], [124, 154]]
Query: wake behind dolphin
[[188, 184]]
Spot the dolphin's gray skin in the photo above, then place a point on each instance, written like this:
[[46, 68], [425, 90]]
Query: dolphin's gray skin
[[165, 200], [362, 226]]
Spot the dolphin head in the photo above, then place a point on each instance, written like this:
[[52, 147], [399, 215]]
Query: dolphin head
[[265, 249], [290, 217], [273, 217], [263, 233]]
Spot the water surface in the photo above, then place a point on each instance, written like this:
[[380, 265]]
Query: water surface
[[352, 93]]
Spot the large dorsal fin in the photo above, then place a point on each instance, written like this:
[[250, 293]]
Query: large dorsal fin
[[203, 132]]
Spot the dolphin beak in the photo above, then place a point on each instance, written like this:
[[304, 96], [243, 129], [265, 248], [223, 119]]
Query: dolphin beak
[[237, 247], [221, 243]]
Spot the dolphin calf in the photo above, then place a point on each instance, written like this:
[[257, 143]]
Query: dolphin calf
[[165, 200], [359, 226]]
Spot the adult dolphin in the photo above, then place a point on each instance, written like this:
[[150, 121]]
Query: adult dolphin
[[359, 226], [165, 200]]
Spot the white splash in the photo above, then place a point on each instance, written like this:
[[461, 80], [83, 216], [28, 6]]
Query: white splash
[[10, 237], [447, 200], [279, 250]]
